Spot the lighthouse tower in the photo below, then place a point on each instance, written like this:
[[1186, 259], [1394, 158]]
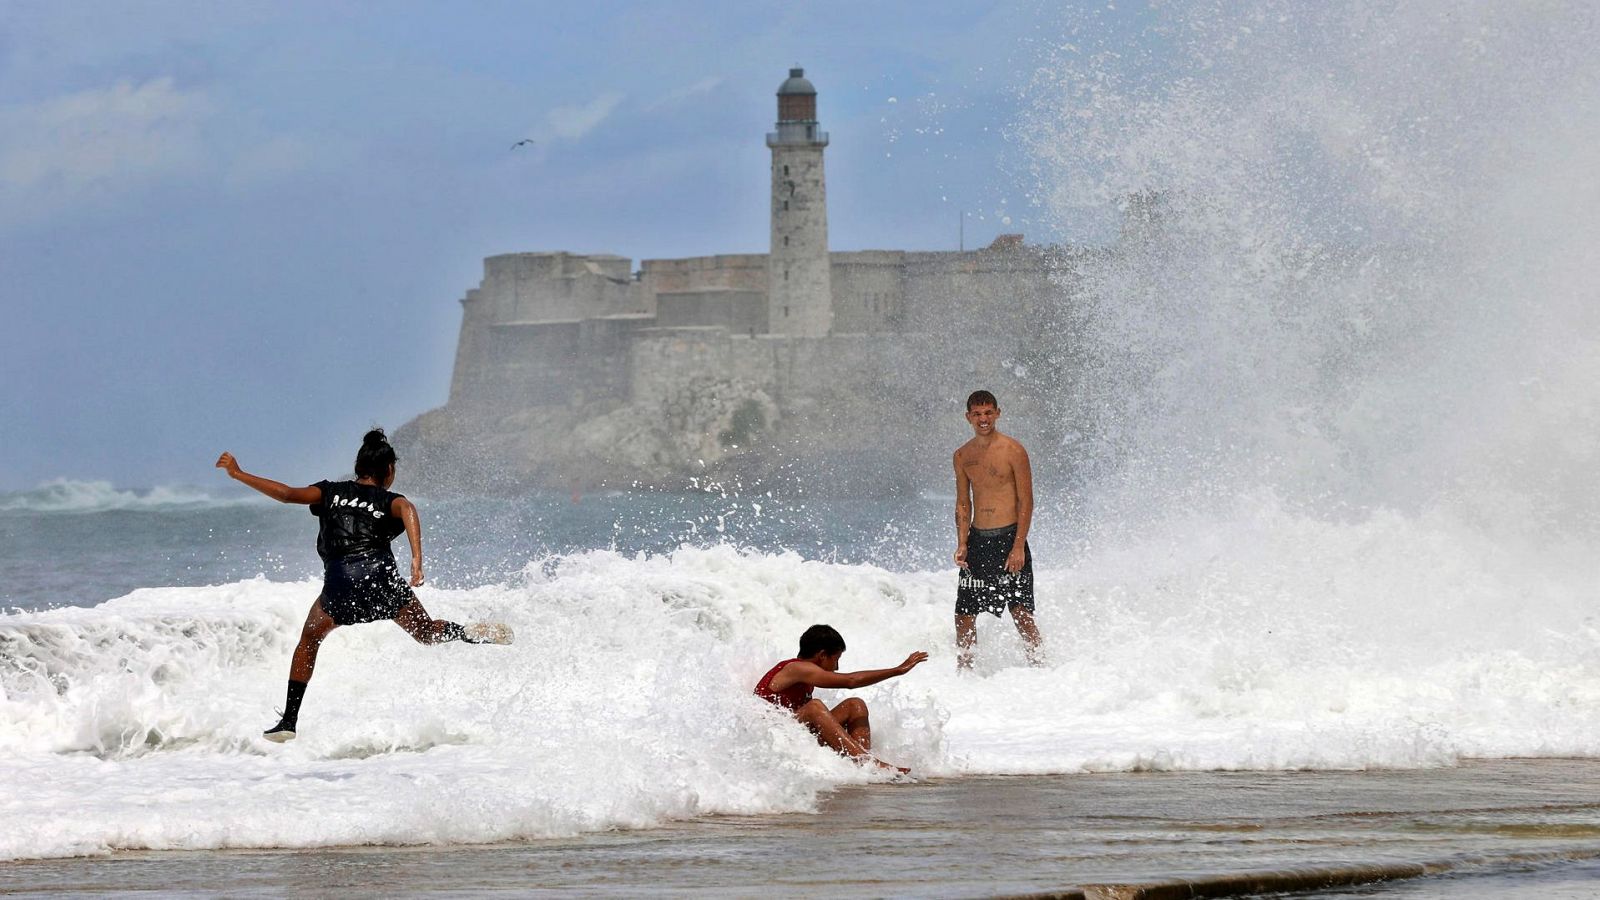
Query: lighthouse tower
[[799, 289]]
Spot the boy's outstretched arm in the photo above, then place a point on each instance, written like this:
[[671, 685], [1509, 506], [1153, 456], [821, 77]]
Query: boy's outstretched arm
[[802, 672], [277, 490]]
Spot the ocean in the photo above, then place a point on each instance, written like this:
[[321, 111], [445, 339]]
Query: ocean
[[132, 713]]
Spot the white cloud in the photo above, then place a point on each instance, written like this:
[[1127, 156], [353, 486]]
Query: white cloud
[[573, 122], [118, 136], [104, 145], [704, 85]]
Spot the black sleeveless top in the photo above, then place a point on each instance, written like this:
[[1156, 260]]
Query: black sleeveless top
[[355, 520]]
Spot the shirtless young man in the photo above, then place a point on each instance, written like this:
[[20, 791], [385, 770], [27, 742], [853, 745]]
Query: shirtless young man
[[994, 509], [845, 728]]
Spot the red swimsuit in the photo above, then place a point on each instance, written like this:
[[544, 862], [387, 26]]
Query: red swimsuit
[[792, 697]]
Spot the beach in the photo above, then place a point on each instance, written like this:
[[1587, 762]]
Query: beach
[[1483, 828]]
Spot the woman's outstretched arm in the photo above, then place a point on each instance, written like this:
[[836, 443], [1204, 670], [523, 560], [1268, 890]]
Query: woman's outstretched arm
[[277, 490], [407, 511]]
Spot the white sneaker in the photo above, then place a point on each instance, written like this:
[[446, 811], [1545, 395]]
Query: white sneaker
[[487, 633]]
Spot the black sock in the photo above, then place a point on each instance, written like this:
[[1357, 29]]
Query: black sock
[[291, 704]]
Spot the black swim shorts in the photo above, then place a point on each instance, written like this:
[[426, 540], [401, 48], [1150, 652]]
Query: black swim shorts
[[363, 588], [985, 585]]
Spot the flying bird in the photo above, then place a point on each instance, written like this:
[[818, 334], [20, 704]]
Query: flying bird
[[528, 141]]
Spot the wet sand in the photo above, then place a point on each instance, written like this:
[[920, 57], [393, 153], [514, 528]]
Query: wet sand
[[1490, 828]]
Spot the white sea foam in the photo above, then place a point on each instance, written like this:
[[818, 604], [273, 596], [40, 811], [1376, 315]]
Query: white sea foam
[[65, 495], [626, 699]]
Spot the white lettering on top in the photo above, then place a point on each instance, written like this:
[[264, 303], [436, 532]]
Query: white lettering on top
[[358, 504]]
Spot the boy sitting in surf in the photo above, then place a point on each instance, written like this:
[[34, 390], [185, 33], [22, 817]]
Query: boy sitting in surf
[[844, 728]]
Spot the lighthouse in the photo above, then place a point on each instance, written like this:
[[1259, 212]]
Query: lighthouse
[[799, 289]]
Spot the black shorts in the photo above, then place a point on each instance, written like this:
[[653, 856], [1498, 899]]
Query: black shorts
[[366, 588], [985, 585]]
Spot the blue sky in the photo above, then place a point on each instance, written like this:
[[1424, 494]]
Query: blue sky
[[246, 226]]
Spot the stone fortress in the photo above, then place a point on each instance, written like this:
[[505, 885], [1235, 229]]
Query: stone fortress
[[798, 365]]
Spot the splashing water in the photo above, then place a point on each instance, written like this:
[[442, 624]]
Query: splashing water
[[1342, 364], [1357, 267]]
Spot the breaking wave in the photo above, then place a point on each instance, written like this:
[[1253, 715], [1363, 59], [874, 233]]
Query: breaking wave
[[625, 701], [65, 495]]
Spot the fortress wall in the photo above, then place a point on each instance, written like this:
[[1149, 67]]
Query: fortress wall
[[846, 371], [515, 284], [846, 394], [662, 362], [603, 361], [499, 368], [987, 299], [741, 312], [525, 365], [799, 373], [809, 371], [532, 365], [853, 406], [877, 402], [1009, 316], [732, 271], [792, 371], [860, 408], [471, 367], [964, 297], [550, 287], [984, 293], [868, 291], [556, 364]]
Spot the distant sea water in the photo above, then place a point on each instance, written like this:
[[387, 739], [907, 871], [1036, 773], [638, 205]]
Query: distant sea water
[[80, 543]]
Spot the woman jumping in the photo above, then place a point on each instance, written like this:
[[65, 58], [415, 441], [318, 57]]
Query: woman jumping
[[360, 582]]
